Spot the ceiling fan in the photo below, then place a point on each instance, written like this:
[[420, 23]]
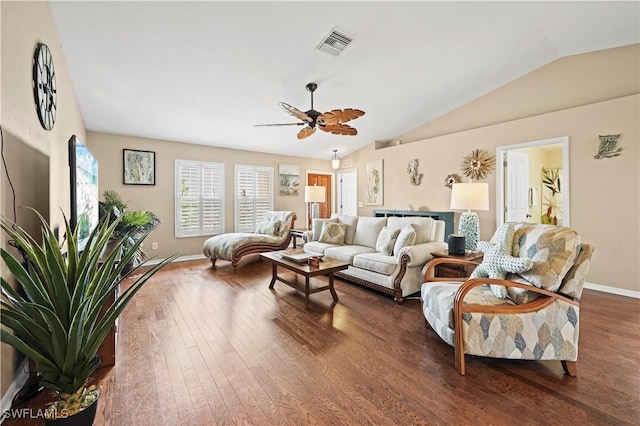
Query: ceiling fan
[[330, 122]]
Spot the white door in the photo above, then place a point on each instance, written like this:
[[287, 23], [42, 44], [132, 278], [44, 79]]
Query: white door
[[347, 193], [517, 187]]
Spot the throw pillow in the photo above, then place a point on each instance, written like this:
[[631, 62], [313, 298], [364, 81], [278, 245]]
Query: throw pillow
[[316, 226], [407, 237], [386, 240], [269, 228], [498, 261], [333, 233]]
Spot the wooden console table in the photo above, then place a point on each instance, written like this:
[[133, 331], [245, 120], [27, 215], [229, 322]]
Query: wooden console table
[[447, 217]]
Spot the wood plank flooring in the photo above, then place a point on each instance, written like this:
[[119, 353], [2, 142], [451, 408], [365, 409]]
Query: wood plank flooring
[[200, 346]]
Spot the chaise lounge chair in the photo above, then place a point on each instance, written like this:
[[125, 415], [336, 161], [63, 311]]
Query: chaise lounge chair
[[273, 233]]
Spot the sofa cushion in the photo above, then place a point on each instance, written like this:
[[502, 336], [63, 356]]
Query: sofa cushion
[[367, 231], [386, 240], [333, 233], [316, 226], [346, 253], [351, 222], [407, 237], [271, 227], [424, 226], [376, 262], [316, 247], [553, 249]]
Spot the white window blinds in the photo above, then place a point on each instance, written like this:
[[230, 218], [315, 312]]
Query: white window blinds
[[199, 198], [253, 196]]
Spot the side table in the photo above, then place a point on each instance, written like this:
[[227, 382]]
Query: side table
[[456, 271], [295, 234]]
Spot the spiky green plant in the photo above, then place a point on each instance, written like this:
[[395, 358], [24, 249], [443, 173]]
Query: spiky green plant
[[56, 319]]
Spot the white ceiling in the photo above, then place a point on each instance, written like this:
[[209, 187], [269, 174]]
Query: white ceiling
[[205, 72]]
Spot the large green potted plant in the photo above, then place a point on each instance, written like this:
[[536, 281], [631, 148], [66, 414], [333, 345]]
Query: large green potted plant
[[55, 314], [132, 225]]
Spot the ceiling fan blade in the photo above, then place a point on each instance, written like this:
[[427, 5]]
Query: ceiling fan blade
[[337, 116], [280, 124], [339, 129], [306, 132], [296, 112]]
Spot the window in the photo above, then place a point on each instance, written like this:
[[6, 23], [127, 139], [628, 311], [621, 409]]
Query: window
[[199, 198], [253, 196]]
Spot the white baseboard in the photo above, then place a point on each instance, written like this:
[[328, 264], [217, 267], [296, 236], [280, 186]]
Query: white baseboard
[[180, 259], [612, 290], [20, 378]]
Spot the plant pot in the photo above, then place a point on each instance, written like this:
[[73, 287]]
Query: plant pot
[[81, 418]]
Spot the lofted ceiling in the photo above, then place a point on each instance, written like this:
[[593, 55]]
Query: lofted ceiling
[[206, 72]]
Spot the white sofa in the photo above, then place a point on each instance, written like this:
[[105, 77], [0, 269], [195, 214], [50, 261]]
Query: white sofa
[[398, 274]]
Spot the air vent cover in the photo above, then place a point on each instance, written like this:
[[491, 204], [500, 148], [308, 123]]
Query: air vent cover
[[334, 43]]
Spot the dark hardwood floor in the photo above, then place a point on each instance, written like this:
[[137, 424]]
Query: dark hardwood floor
[[199, 346]]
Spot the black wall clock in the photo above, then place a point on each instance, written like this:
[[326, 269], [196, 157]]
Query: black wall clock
[[44, 86]]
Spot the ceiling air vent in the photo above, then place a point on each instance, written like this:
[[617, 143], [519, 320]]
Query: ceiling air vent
[[334, 43]]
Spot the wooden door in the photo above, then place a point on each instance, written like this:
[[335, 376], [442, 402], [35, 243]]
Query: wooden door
[[325, 208]]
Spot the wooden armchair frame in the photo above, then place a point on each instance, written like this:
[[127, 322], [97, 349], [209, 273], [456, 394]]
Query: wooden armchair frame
[[459, 307]]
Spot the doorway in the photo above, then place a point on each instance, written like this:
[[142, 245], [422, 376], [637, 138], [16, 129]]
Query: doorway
[[347, 192], [544, 202], [325, 180]]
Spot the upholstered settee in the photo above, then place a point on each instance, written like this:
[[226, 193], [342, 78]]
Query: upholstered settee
[[537, 318], [384, 253], [271, 234]]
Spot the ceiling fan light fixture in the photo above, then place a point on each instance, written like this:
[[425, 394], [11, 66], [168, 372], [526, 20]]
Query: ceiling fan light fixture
[[335, 160]]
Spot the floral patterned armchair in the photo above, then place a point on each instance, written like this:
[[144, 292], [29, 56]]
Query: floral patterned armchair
[[539, 317]]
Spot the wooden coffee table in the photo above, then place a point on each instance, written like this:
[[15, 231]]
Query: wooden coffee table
[[326, 267]]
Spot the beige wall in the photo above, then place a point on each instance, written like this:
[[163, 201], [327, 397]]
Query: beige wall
[[42, 178], [160, 198]]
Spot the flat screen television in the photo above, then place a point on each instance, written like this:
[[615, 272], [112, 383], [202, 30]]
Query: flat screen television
[[84, 189]]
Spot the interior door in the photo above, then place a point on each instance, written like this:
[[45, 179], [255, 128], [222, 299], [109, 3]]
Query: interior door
[[347, 203], [517, 187], [325, 208]]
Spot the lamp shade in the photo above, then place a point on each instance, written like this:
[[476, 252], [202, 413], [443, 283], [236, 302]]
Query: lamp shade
[[470, 196], [314, 194]]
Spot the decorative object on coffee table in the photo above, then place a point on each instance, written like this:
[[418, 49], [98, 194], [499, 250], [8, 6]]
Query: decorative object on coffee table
[[470, 196]]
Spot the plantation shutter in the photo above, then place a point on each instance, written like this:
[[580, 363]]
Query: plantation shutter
[[254, 196], [199, 198]]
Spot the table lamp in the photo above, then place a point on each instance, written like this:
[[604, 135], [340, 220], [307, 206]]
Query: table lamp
[[314, 195], [470, 196]]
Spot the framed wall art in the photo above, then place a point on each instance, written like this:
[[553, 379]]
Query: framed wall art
[[374, 183], [139, 167], [289, 179]]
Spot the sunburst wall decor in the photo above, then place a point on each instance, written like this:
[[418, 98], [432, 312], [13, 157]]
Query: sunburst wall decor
[[451, 179], [478, 164]]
